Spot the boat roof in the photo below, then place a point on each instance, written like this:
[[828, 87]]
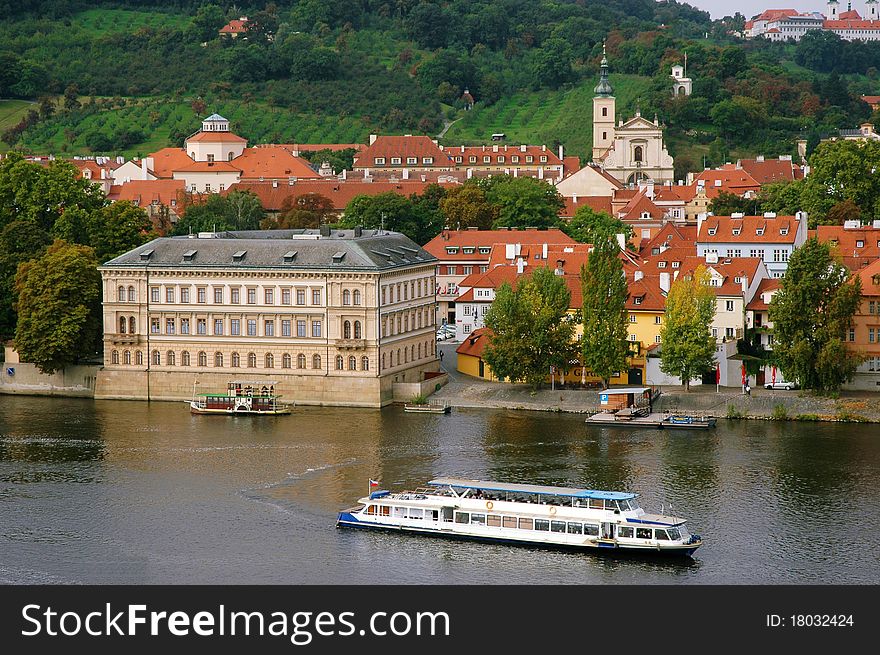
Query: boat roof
[[529, 489], [615, 392]]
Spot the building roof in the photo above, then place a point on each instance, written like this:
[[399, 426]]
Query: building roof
[[343, 250], [403, 147], [852, 24], [847, 239], [640, 204], [772, 14], [748, 229], [767, 285], [168, 160], [596, 203], [870, 277], [314, 147], [272, 162], [148, 192], [476, 239], [728, 178], [215, 137], [672, 235], [207, 167], [872, 100], [475, 342], [767, 171], [235, 26], [645, 295], [505, 151]]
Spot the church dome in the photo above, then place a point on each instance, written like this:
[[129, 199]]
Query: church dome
[[603, 88]]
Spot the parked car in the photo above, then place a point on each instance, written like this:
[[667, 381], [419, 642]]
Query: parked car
[[788, 386]]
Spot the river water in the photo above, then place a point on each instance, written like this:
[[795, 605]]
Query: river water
[[130, 492]]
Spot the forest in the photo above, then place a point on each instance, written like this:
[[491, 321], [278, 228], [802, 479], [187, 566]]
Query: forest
[[129, 77]]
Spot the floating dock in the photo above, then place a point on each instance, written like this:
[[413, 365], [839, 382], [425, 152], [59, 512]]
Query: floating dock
[[655, 420]]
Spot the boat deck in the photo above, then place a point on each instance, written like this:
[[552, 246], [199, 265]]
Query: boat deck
[[655, 420]]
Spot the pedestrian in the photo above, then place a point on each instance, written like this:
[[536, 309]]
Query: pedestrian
[[441, 355], [748, 390]]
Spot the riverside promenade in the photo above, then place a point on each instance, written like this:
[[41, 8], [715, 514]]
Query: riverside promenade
[[468, 392]]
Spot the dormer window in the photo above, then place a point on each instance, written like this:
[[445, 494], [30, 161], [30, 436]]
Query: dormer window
[[427, 160], [412, 160], [645, 215], [467, 251], [759, 231], [738, 280], [452, 250], [379, 161], [395, 160], [712, 231], [860, 244], [676, 264], [637, 300], [500, 159], [543, 158], [487, 159], [514, 159], [736, 231], [661, 264], [485, 250], [458, 159], [472, 159], [529, 159]]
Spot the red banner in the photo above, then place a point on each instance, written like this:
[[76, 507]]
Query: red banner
[[773, 376], [744, 372], [717, 373]]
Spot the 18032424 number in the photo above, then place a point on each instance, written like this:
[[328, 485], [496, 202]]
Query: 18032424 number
[[820, 620]]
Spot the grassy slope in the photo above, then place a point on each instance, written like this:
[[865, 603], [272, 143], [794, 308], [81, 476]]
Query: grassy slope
[[11, 113], [99, 22]]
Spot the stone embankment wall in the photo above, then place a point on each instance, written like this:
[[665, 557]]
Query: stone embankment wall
[[780, 406], [26, 379]]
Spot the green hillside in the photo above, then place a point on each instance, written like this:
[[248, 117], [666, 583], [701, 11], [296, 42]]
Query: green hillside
[[11, 112]]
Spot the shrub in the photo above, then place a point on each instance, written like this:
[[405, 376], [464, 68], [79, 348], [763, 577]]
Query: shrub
[[780, 413], [418, 399], [734, 412]]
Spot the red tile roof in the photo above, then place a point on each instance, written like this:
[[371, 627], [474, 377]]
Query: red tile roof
[[208, 167], [852, 24], [148, 192], [847, 242], [235, 26], [506, 151], [168, 160], [475, 343], [767, 285], [638, 205], [272, 162], [720, 229], [403, 147], [215, 137], [596, 203], [732, 179], [672, 235], [645, 295], [870, 277], [772, 14], [770, 170], [462, 239]]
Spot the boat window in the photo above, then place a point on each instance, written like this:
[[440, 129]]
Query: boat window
[[400, 512], [542, 524], [493, 520], [575, 528], [674, 534], [384, 510], [591, 529], [596, 503], [623, 505], [526, 524], [462, 517], [660, 534], [623, 531], [416, 513], [557, 526], [611, 505], [478, 519], [643, 533], [371, 509], [508, 522]]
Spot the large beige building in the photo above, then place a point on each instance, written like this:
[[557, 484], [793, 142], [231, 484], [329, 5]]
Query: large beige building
[[331, 317]]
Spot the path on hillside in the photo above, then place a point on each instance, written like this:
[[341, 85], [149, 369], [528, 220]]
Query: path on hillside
[[446, 125]]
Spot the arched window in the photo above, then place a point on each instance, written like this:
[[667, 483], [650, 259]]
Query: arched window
[[637, 153], [184, 358], [316, 361], [356, 295], [236, 360], [122, 324], [270, 360], [412, 352], [169, 358], [114, 357], [339, 363], [131, 325], [358, 334], [398, 357], [157, 358], [383, 361], [126, 357], [300, 361], [346, 330], [218, 360], [346, 297], [420, 351], [352, 363], [120, 293], [252, 360], [365, 363], [231, 156], [131, 296], [203, 359], [604, 111], [285, 360], [139, 358]]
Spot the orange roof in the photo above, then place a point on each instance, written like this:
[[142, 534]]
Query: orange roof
[[772, 14], [847, 242], [571, 256], [638, 205], [273, 194], [272, 162], [467, 239], [491, 279], [208, 167], [870, 276], [570, 165], [731, 179], [475, 342], [148, 192], [235, 26], [313, 147], [769, 170], [505, 152], [168, 160], [672, 235], [215, 137], [851, 14], [871, 100], [767, 285], [720, 229], [645, 294], [851, 24], [387, 147], [596, 203]]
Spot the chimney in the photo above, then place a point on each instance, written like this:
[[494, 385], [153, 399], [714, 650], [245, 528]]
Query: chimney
[[520, 265], [144, 169], [664, 282], [274, 184], [544, 148], [119, 160], [544, 251], [358, 231], [344, 174], [495, 148], [325, 230], [638, 275], [700, 218], [560, 152], [574, 199], [405, 175], [759, 158], [650, 189], [509, 251], [621, 241], [462, 149], [372, 139], [522, 147]]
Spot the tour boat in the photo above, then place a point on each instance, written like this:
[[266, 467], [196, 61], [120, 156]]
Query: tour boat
[[524, 514], [241, 397]]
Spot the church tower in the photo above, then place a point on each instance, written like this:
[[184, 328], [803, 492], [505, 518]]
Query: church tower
[[871, 9], [603, 112], [832, 10]]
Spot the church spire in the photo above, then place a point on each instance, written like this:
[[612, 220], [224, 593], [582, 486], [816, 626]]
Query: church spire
[[604, 87]]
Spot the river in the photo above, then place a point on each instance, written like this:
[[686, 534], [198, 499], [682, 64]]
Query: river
[[113, 492]]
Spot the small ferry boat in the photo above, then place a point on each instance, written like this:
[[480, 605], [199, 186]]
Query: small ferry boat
[[524, 514], [241, 397], [429, 407]]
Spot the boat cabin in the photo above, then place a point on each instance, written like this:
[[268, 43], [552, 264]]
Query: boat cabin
[[633, 398]]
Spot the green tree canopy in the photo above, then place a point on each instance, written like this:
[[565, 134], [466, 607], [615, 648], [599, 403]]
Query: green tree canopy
[[20, 241], [309, 211], [591, 226], [117, 228], [530, 327], [394, 212], [687, 346], [604, 346], [811, 313], [238, 210], [523, 201], [725, 204], [467, 206], [58, 298]]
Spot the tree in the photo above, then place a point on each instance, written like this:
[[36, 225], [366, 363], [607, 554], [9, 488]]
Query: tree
[[237, 210], [58, 298], [551, 66], [392, 211], [725, 204], [118, 228], [206, 23], [688, 348], [309, 210], [467, 206], [811, 313], [531, 331], [590, 226], [604, 346], [20, 241], [844, 211], [523, 201]]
